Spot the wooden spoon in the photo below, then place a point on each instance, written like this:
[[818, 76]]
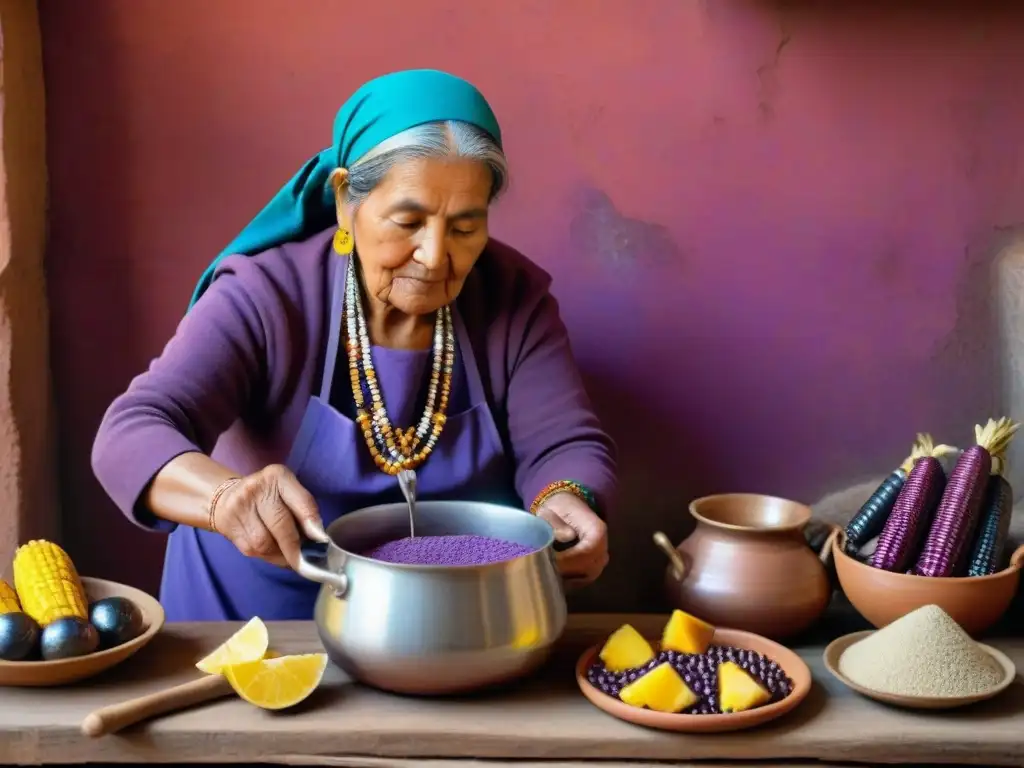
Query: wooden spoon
[[113, 718]]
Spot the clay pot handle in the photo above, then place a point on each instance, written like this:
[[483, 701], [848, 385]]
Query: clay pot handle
[[1017, 558], [675, 560], [836, 538]]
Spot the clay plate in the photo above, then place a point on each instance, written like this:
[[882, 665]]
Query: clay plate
[[836, 648], [40, 674], [792, 664]]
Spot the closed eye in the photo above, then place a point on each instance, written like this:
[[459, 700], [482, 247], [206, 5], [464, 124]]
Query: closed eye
[[412, 226]]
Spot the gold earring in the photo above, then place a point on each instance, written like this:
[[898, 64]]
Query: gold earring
[[343, 242]]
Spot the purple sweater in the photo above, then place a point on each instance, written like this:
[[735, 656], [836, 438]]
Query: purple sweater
[[235, 379]]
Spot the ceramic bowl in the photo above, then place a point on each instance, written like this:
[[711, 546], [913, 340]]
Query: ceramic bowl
[[836, 648], [793, 665], [41, 674], [881, 597]]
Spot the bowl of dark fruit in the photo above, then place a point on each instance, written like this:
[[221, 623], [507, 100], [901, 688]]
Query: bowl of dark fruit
[[696, 679], [56, 631]]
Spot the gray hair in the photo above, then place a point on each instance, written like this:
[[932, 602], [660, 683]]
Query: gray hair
[[451, 138]]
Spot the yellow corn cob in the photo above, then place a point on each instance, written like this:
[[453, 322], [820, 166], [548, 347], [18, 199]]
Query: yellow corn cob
[[48, 584], [8, 599]]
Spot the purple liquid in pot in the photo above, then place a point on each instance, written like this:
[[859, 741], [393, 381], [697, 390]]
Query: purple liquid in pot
[[448, 550]]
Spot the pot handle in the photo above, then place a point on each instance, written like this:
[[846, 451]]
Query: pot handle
[[675, 560], [1017, 558], [836, 538], [312, 562]]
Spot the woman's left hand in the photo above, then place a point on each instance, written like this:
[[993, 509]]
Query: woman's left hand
[[573, 519]]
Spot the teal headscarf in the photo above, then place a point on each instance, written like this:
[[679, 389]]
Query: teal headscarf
[[380, 109]]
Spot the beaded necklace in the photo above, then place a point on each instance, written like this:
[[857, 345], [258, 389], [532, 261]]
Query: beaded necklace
[[393, 448]]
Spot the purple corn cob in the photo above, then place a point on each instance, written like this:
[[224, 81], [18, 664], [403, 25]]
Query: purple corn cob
[[957, 515], [900, 538]]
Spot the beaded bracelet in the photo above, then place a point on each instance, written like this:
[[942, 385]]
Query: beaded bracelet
[[578, 490], [215, 498]]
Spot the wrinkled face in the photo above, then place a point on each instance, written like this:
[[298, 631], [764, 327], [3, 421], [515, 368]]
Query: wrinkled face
[[419, 233]]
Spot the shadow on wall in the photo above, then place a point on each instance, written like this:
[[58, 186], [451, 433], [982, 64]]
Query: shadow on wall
[[94, 360], [668, 464], [1008, 288]]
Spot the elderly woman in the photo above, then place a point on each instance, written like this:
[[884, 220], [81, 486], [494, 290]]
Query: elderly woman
[[364, 322]]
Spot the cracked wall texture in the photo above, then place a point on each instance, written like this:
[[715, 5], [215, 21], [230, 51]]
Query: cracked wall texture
[[772, 226], [28, 496]]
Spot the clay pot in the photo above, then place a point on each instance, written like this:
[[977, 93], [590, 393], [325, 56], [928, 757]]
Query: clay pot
[[881, 597], [747, 566]]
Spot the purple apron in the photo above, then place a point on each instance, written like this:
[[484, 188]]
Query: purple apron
[[206, 578]]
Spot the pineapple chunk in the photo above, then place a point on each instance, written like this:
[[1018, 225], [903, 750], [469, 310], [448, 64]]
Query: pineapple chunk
[[626, 649], [686, 634], [738, 691], [661, 689]]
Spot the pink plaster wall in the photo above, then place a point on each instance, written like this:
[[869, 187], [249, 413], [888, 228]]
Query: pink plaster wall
[[28, 497], [770, 224]]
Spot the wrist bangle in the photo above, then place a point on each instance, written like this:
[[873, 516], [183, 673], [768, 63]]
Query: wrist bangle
[[212, 523], [578, 490]]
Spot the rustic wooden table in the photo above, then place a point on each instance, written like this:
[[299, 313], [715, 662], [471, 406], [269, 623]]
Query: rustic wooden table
[[543, 721]]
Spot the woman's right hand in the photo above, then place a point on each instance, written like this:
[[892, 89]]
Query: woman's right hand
[[262, 514]]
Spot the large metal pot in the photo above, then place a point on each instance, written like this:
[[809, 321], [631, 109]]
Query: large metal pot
[[437, 629]]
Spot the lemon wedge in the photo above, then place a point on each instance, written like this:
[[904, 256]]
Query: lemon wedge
[[277, 683], [247, 644]]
